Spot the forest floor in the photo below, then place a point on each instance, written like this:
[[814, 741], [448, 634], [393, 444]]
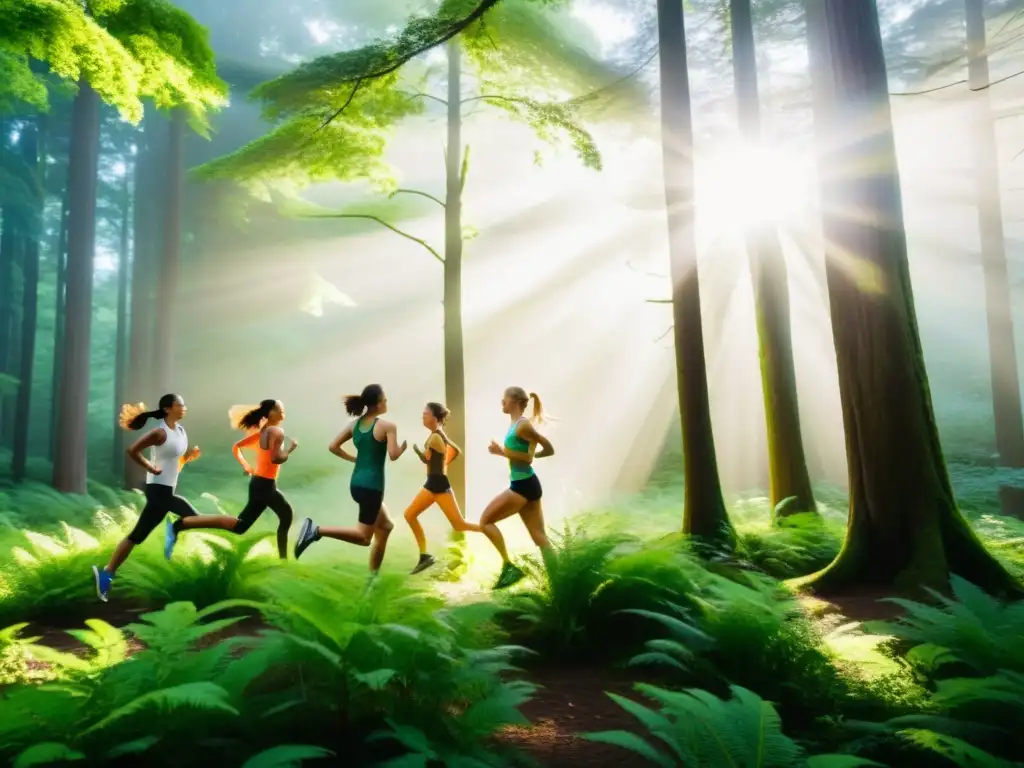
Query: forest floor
[[571, 701]]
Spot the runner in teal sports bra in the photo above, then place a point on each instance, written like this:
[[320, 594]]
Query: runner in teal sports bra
[[375, 440], [523, 496]]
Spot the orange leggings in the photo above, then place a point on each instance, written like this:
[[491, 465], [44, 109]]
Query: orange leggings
[[446, 501]]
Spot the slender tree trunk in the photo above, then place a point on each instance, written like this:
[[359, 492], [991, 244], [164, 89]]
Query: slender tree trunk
[[1009, 421], [454, 354], [704, 514], [71, 460], [167, 282], [904, 528], [140, 329], [10, 243], [121, 338], [788, 479], [32, 141], [58, 322]]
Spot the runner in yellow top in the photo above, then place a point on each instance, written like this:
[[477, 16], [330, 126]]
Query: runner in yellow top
[[439, 453]]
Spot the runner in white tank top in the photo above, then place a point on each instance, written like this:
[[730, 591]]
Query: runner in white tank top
[[170, 452]]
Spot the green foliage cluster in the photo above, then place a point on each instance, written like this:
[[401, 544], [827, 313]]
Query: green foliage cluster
[[127, 50]]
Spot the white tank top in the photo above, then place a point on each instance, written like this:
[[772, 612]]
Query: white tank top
[[166, 456]]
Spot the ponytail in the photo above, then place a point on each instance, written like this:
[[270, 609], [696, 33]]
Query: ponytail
[[248, 417], [537, 416], [133, 417], [371, 395]]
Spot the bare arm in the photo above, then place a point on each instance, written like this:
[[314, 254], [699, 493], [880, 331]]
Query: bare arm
[[418, 452], [245, 442], [340, 440], [152, 438], [451, 451], [528, 432], [278, 453], [395, 450]]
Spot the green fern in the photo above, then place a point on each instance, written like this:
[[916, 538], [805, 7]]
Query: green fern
[[696, 728]]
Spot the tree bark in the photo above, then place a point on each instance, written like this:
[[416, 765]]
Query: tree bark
[[704, 515], [140, 330], [167, 281], [904, 529], [58, 322], [32, 140], [789, 482], [71, 461], [454, 353], [121, 338], [11, 240], [1009, 420]]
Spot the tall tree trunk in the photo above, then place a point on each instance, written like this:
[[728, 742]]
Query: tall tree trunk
[[121, 338], [788, 480], [71, 461], [58, 322], [140, 328], [454, 354], [167, 281], [10, 243], [904, 528], [704, 514], [32, 141], [1009, 421]]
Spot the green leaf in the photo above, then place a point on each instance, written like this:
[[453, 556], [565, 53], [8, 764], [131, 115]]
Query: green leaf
[[286, 756], [839, 761], [206, 696], [45, 754], [633, 743], [377, 679]]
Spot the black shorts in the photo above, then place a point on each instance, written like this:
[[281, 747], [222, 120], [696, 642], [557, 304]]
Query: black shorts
[[370, 501], [438, 484], [528, 487]]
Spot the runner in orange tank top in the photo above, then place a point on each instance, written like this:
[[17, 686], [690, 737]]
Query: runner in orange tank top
[[267, 439]]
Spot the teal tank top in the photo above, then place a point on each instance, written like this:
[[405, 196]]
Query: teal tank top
[[370, 456], [517, 469]]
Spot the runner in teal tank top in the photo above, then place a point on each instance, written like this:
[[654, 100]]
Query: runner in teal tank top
[[375, 440], [523, 496]]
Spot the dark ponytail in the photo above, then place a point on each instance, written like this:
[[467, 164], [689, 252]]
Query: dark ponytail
[[134, 416], [371, 395], [440, 411], [249, 417]]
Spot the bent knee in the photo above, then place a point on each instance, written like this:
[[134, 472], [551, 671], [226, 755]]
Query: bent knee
[[239, 526]]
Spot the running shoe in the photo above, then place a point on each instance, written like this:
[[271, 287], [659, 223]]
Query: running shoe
[[103, 582], [170, 538], [307, 535], [510, 574], [425, 562]]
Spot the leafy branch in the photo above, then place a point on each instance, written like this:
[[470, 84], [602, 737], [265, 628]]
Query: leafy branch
[[371, 217]]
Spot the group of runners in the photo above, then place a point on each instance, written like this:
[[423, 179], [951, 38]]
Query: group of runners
[[375, 440]]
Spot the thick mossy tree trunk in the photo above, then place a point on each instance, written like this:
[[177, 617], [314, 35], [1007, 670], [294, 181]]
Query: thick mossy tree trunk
[[704, 515], [904, 529], [167, 275], [71, 460], [454, 352], [788, 479], [121, 325], [58, 322], [32, 142], [1009, 421]]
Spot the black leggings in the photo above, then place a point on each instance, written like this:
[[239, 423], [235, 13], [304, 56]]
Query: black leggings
[[264, 494], [160, 499]]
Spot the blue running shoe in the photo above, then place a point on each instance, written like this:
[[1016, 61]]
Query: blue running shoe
[[170, 539], [103, 582]]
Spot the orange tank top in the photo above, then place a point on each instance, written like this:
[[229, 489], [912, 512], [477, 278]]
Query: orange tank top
[[264, 467]]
